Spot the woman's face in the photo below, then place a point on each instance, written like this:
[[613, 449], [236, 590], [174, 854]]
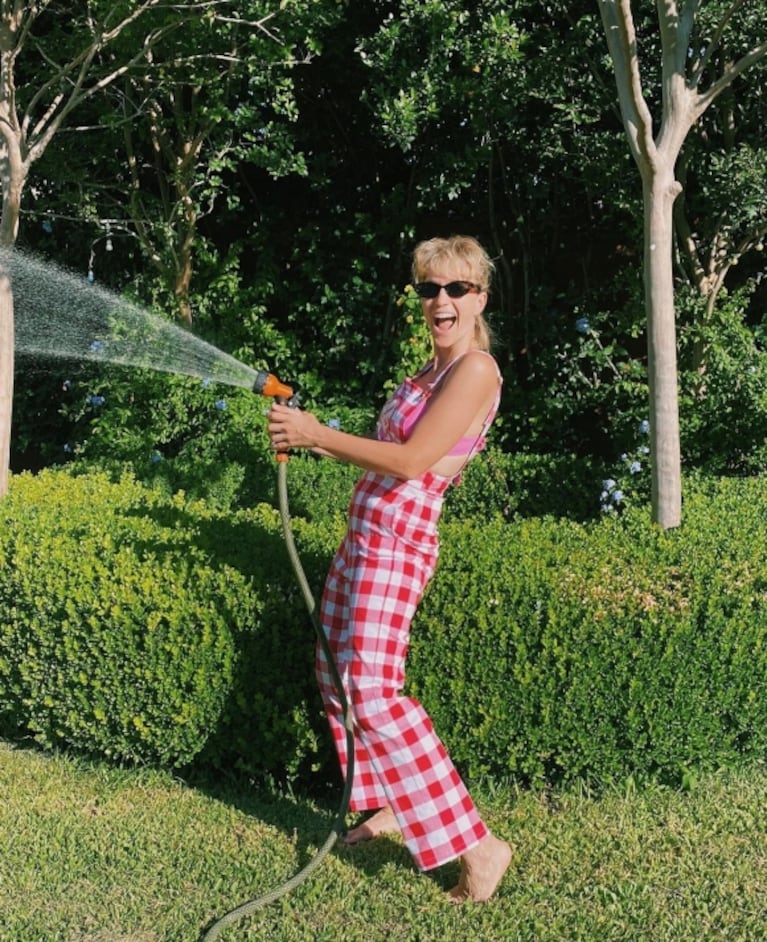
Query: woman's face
[[451, 320]]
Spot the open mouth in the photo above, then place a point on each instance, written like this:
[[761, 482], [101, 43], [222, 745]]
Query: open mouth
[[446, 320]]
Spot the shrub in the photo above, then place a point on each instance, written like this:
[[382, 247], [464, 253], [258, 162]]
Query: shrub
[[140, 627], [509, 485], [273, 724], [162, 630], [173, 433], [526, 485], [723, 401], [318, 490], [115, 632], [601, 651]]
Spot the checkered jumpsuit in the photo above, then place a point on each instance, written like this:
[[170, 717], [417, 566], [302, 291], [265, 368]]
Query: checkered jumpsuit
[[375, 583]]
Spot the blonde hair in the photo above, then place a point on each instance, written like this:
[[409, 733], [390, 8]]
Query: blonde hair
[[466, 255]]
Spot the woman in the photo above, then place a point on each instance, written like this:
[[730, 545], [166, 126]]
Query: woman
[[427, 432]]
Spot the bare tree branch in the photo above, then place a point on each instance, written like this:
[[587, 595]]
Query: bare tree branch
[[751, 58], [712, 47], [621, 38]]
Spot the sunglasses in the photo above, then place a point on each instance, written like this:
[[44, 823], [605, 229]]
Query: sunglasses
[[455, 289]]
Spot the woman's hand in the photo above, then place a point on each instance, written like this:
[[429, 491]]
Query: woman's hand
[[291, 428]]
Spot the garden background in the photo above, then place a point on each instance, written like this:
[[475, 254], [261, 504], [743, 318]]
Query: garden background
[[259, 173]]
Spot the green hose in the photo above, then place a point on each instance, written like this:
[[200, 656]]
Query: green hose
[[259, 902]]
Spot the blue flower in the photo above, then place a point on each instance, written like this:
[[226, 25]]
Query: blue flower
[[67, 448], [96, 401], [220, 404], [96, 347], [617, 497], [334, 423], [644, 427], [156, 457], [608, 485], [206, 382], [635, 467], [582, 325]]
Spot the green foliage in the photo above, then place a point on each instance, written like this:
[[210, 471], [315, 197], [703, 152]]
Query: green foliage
[[588, 392], [602, 651], [152, 629], [272, 725], [509, 485], [413, 346], [413, 89], [723, 402], [160, 630], [116, 632], [294, 161], [737, 180], [524, 485], [318, 490], [171, 432], [210, 442]]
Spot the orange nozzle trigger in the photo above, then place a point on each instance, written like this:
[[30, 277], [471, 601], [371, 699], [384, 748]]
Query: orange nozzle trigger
[[273, 387]]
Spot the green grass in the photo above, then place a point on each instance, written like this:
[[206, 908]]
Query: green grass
[[89, 852]]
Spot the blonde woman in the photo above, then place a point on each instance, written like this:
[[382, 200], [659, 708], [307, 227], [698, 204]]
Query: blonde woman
[[433, 425]]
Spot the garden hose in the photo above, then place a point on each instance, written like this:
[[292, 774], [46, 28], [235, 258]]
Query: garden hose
[[217, 927]]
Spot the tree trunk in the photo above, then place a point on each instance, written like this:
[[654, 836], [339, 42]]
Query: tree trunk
[[659, 192], [14, 177], [6, 377]]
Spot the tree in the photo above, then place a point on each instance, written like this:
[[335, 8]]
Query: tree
[[66, 47], [57, 57], [688, 85], [505, 117], [217, 95]]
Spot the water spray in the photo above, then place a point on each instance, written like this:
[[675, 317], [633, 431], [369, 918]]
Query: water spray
[[61, 315]]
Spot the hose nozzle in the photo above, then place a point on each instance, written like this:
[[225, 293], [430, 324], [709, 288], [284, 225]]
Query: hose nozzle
[[268, 385]]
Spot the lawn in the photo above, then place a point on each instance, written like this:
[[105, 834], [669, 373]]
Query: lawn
[[90, 852]]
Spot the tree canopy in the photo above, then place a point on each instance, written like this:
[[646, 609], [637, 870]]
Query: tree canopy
[[262, 171]]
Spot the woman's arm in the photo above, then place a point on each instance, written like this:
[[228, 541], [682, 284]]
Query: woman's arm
[[464, 397]]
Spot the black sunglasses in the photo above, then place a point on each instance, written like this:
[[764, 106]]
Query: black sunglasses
[[454, 289]]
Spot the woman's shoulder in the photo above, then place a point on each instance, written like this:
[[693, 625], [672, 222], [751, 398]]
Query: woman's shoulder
[[480, 356], [478, 364]]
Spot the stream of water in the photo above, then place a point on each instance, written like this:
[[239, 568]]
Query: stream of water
[[59, 314]]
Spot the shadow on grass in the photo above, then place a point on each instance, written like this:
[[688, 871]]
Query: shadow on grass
[[308, 822]]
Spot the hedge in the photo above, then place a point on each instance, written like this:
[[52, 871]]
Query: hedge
[[499, 484], [158, 629], [551, 651], [143, 628]]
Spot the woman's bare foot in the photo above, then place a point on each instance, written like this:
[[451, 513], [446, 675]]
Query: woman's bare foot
[[482, 869], [382, 822]]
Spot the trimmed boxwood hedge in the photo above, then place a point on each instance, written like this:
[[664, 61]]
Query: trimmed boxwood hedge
[[552, 651], [144, 628], [156, 629]]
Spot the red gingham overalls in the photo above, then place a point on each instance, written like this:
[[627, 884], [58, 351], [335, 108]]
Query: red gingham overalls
[[375, 583]]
